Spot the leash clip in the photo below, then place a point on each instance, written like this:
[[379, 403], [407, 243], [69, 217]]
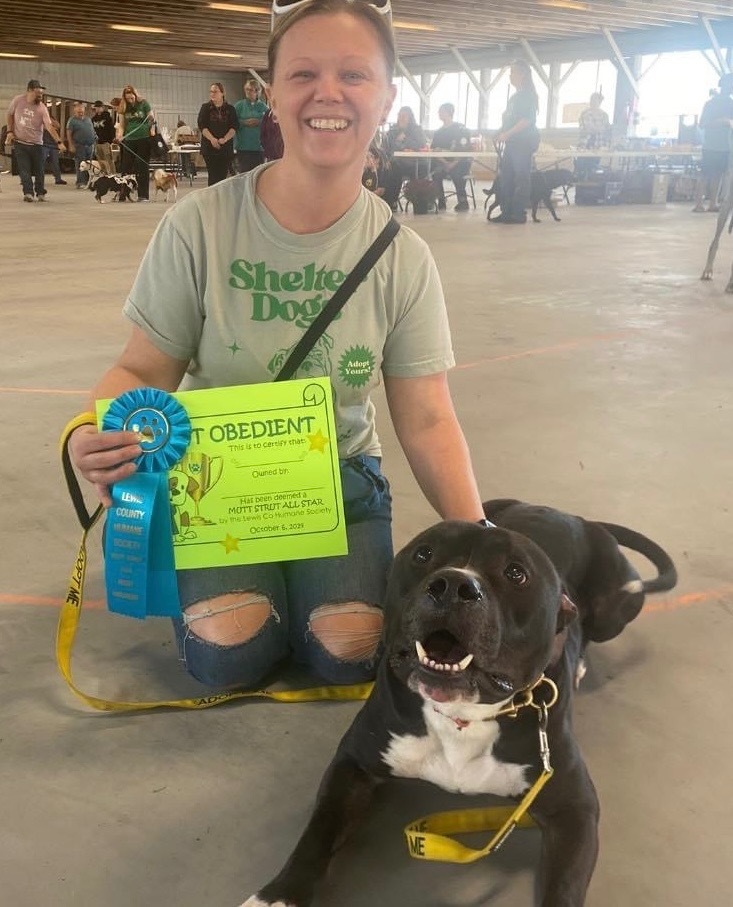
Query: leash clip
[[526, 697], [544, 743]]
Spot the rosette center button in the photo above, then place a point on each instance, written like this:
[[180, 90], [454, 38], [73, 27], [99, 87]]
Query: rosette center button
[[152, 426]]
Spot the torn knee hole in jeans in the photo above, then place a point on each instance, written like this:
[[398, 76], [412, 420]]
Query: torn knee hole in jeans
[[348, 631], [229, 619]]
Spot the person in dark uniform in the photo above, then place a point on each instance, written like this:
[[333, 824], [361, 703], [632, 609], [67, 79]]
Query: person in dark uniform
[[716, 121], [451, 137], [405, 135], [520, 138], [218, 124]]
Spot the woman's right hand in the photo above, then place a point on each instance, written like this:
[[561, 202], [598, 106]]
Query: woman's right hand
[[104, 458]]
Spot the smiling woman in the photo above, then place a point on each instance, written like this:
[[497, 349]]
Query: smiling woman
[[232, 279]]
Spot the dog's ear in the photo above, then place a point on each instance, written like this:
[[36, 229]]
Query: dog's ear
[[566, 614]]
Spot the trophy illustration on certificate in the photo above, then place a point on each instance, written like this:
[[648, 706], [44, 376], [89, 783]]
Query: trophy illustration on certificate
[[203, 473]]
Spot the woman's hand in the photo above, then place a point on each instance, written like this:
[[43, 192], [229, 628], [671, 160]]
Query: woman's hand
[[215, 143], [104, 458]]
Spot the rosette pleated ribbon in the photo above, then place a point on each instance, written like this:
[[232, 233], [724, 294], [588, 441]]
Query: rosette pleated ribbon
[[140, 576]]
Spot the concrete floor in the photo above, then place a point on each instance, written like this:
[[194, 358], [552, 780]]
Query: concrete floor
[[594, 375]]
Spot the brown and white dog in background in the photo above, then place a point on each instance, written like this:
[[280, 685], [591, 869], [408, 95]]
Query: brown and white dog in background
[[166, 183]]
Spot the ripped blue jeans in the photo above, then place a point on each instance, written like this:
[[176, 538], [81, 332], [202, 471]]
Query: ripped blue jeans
[[295, 589]]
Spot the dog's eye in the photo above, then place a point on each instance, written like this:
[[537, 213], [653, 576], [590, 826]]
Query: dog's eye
[[423, 554], [516, 574]]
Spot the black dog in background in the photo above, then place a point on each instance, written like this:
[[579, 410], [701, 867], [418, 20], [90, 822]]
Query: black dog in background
[[542, 184]]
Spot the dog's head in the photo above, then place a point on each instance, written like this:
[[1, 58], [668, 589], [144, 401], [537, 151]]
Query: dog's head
[[472, 613], [90, 166]]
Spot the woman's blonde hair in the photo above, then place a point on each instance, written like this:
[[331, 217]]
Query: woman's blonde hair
[[122, 108], [358, 10]]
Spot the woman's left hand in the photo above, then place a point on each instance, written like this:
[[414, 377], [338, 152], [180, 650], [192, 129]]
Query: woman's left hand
[[215, 143]]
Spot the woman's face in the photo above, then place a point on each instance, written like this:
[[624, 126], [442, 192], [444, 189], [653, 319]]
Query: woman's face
[[403, 119], [330, 90], [130, 97], [216, 94], [516, 76]]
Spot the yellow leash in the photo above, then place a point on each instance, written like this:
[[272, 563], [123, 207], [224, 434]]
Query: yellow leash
[[71, 614]]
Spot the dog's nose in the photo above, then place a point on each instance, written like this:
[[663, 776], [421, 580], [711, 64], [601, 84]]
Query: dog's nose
[[453, 586]]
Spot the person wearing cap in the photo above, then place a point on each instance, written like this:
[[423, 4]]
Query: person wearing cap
[[26, 119], [717, 122], [104, 128]]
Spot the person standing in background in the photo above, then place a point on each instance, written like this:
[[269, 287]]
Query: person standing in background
[[520, 137], [26, 119], [250, 111], [717, 122], [104, 129], [134, 122], [81, 137], [51, 154], [218, 124]]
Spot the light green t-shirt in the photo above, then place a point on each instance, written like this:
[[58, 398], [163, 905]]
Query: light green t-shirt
[[223, 285]]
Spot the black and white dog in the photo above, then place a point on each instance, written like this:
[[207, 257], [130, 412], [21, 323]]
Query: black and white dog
[[121, 186], [472, 618], [543, 182]]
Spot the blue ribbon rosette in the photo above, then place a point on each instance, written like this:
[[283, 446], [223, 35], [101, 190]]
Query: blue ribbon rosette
[[140, 576]]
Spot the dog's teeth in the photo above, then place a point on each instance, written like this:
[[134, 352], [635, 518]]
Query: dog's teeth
[[421, 653], [465, 662], [455, 669]]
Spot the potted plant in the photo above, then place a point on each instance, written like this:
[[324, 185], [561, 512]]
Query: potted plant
[[421, 194]]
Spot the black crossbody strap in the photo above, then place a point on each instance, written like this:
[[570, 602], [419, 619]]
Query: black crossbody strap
[[338, 300]]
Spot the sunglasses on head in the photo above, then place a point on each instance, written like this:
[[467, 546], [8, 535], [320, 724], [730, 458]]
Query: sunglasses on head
[[283, 7]]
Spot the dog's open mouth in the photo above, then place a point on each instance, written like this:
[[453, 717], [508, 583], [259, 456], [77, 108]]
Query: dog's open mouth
[[441, 655], [441, 652]]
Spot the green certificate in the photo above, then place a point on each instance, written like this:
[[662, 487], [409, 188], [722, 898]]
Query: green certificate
[[260, 480]]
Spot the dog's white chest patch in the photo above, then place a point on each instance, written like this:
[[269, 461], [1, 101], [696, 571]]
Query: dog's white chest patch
[[456, 759]]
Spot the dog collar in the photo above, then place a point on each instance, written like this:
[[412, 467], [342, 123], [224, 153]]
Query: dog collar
[[520, 700]]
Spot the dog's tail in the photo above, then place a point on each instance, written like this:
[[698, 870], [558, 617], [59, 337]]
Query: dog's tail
[[666, 571]]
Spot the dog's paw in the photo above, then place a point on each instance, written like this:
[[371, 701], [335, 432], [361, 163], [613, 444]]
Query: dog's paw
[[256, 901], [707, 274]]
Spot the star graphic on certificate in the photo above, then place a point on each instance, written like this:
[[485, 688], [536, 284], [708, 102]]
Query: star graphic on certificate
[[234, 348], [318, 441], [230, 543]]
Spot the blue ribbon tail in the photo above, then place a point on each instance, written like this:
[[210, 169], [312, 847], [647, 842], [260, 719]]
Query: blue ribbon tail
[[140, 575]]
